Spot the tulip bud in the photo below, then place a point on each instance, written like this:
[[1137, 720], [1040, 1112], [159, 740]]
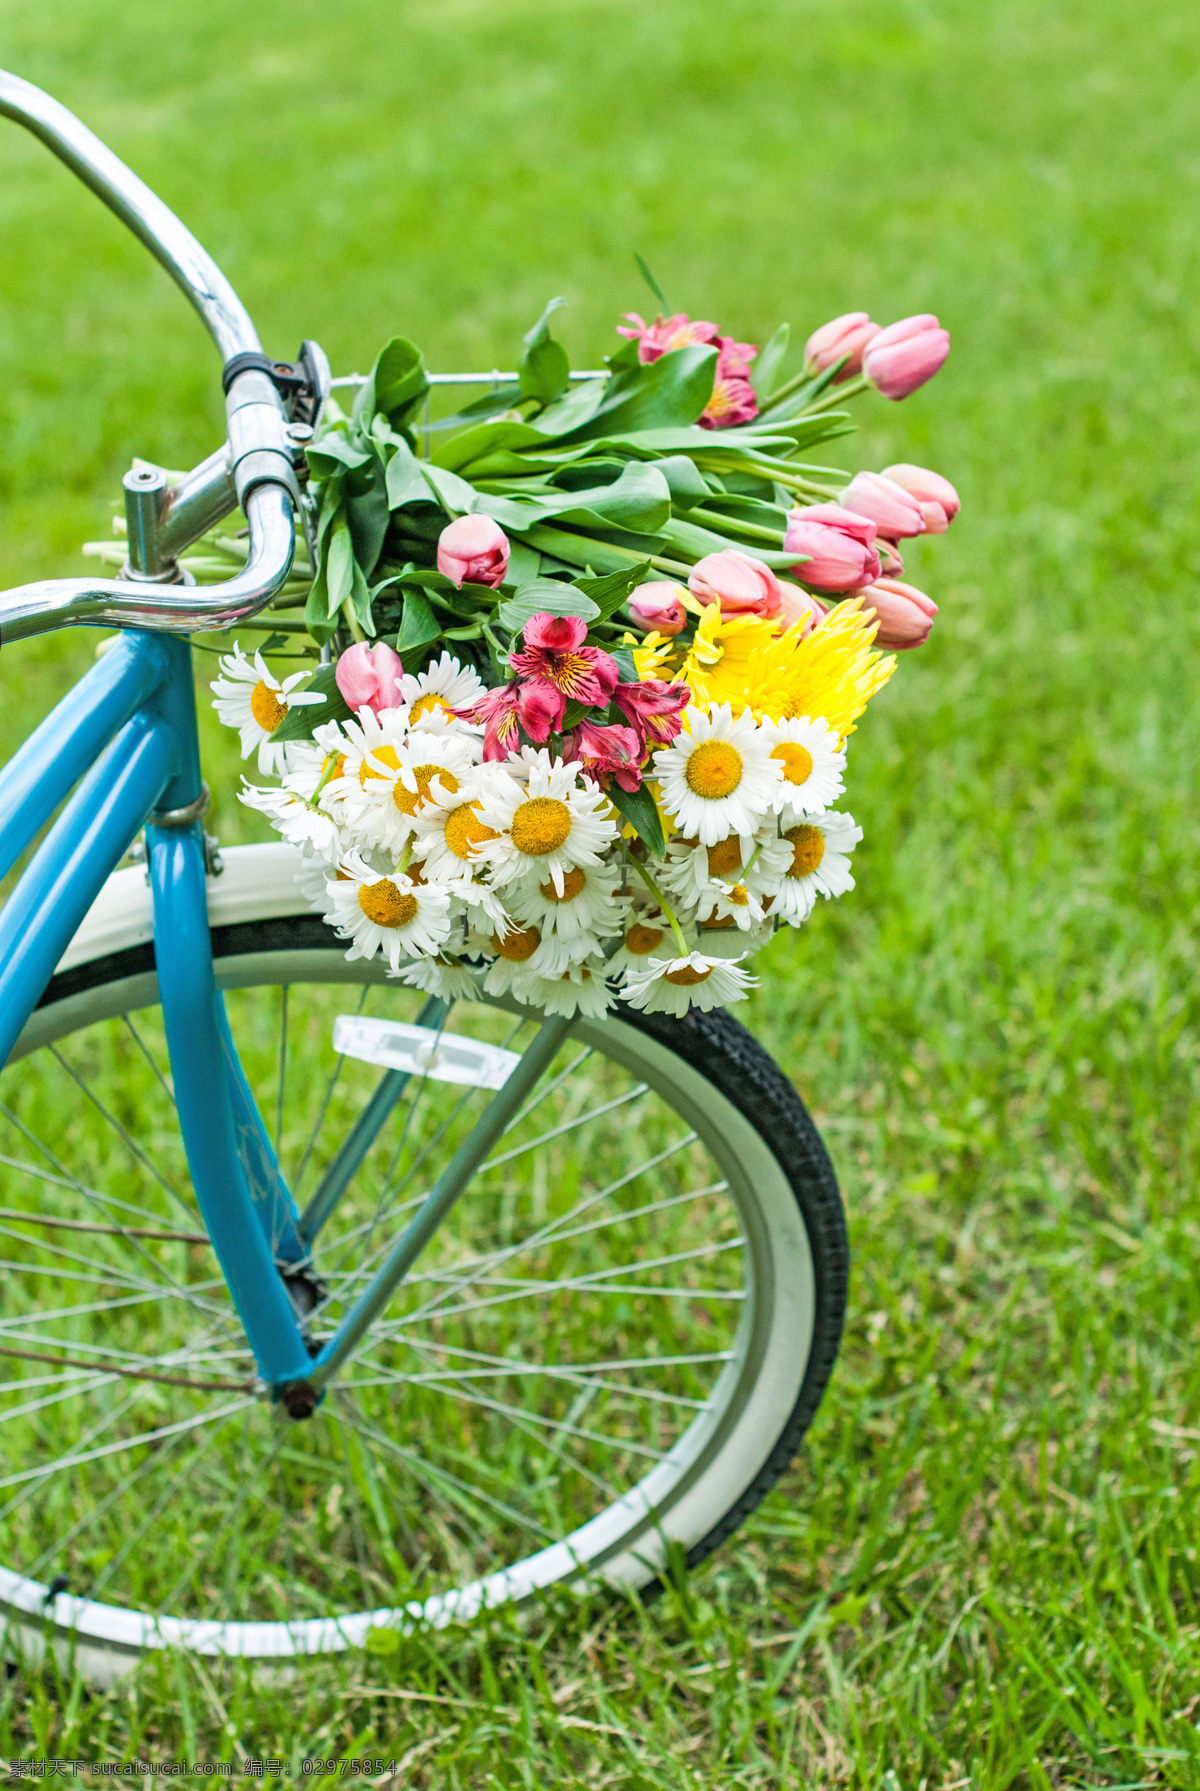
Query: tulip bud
[[894, 513], [837, 558], [742, 585], [905, 614], [937, 497], [369, 675], [657, 608], [473, 550], [905, 354], [847, 335], [800, 607]]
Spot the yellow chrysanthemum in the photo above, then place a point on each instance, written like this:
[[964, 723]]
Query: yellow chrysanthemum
[[832, 674], [654, 655]]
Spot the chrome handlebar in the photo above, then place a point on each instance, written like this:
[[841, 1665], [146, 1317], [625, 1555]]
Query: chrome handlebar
[[254, 469]]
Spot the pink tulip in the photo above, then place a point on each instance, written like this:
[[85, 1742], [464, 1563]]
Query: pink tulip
[[905, 354], [473, 550], [742, 585], [847, 335], [905, 614], [894, 513], [837, 547], [937, 497], [800, 607], [369, 675], [657, 607]]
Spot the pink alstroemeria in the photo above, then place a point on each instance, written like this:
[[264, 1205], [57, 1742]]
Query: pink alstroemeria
[[654, 709], [473, 550], [666, 333], [497, 710], [556, 657], [605, 752], [369, 675], [734, 399]]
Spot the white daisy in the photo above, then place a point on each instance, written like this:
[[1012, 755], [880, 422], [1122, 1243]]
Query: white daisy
[[522, 952], [449, 834], [647, 935], [821, 847], [587, 905], [398, 779], [315, 877], [738, 903], [371, 749], [431, 697], [673, 985], [726, 941], [446, 976], [550, 821], [581, 989], [813, 760], [300, 821], [251, 699], [391, 914], [717, 777]]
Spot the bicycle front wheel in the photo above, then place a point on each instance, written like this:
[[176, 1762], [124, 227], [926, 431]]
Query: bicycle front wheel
[[613, 1345]]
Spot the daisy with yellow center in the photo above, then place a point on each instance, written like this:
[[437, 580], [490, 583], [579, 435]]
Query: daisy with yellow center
[[813, 760], [717, 777], [393, 914], [673, 985], [449, 832], [820, 864], [587, 906], [430, 698], [249, 697], [399, 781], [449, 977], [579, 989], [550, 821]]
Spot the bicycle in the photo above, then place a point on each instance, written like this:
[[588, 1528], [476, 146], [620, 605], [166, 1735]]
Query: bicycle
[[284, 1356]]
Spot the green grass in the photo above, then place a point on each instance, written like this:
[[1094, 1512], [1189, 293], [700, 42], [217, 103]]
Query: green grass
[[983, 1569]]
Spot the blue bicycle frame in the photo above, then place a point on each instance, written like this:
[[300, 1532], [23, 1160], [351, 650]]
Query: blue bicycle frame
[[131, 721]]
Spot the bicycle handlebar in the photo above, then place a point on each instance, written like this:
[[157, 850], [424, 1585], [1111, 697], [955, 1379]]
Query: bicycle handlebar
[[256, 470]]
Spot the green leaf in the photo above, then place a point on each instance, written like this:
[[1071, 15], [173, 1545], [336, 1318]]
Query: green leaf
[[638, 808], [574, 713], [544, 366], [669, 392], [685, 481], [577, 404], [419, 629], [639, 500], [483, 440], [447, 489], [609, 593], [367, 514], [764, 373], [625, 664], [405, 484], [652, 283], [333, 452], [395, 385], [299, 722], [543, 596]]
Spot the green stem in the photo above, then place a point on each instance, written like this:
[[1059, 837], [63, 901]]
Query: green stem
[[835, 395], [663, 903]]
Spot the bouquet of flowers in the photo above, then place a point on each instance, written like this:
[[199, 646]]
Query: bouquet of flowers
[[589, 650]]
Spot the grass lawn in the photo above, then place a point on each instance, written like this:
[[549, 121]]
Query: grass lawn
[[983, 1568]]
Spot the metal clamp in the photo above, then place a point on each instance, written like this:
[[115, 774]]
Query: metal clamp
[[180, 817]]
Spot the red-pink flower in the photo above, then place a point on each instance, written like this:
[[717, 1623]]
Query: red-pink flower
[[657, 608], [905, 355], [605, 752], [473, 550], [733, 399], [742, 585], [555, 655], [905, 614], [846, 335], [838, 545], [894, 513], [936, 497], [654, 709], [497, 710], [369, 675], [665, 333]]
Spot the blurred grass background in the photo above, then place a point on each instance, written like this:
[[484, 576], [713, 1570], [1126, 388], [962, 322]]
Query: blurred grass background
[[983, 1569]]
